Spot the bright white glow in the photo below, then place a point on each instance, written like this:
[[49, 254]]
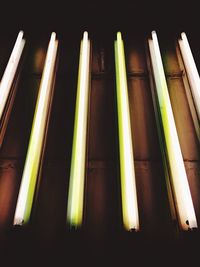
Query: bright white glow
[[9, 73], [128, 183], [77, 172], [30, 173], [180, 186], [191, 70]]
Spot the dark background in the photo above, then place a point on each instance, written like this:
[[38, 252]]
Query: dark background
[[99, 15]]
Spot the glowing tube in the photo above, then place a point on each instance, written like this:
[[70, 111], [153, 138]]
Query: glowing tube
[[191, 70], [31, 168], [9, 73], [77, 172], [127, 172], [180, 186]]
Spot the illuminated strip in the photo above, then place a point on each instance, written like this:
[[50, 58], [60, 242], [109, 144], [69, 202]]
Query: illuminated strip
[[9, 73], [31, 168], [128, 183], [77, 172], [191, 69], [180, 186]]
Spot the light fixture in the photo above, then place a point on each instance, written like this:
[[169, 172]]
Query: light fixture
[[127, 172], [77, 171], [36, 142], [179, 182], [191, 70], [6, 92]]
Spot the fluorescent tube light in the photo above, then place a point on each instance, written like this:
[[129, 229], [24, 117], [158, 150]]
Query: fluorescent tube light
[[191, 70], [33, 158], [127, 172], [77, 171], [7, 87], [180, 186]]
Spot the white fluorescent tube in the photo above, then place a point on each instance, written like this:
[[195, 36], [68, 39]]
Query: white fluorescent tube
[[77, 172], [9, 73], [191, 70], [127, 171], [31, 168], [180, 186]]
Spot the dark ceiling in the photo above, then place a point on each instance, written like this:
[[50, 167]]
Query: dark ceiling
[[100, 16]]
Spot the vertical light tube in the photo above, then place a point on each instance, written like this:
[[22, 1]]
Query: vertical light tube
[[9, 73], [127, 171], [77, 171], [180, 186], [32, 163], [191, 70]]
